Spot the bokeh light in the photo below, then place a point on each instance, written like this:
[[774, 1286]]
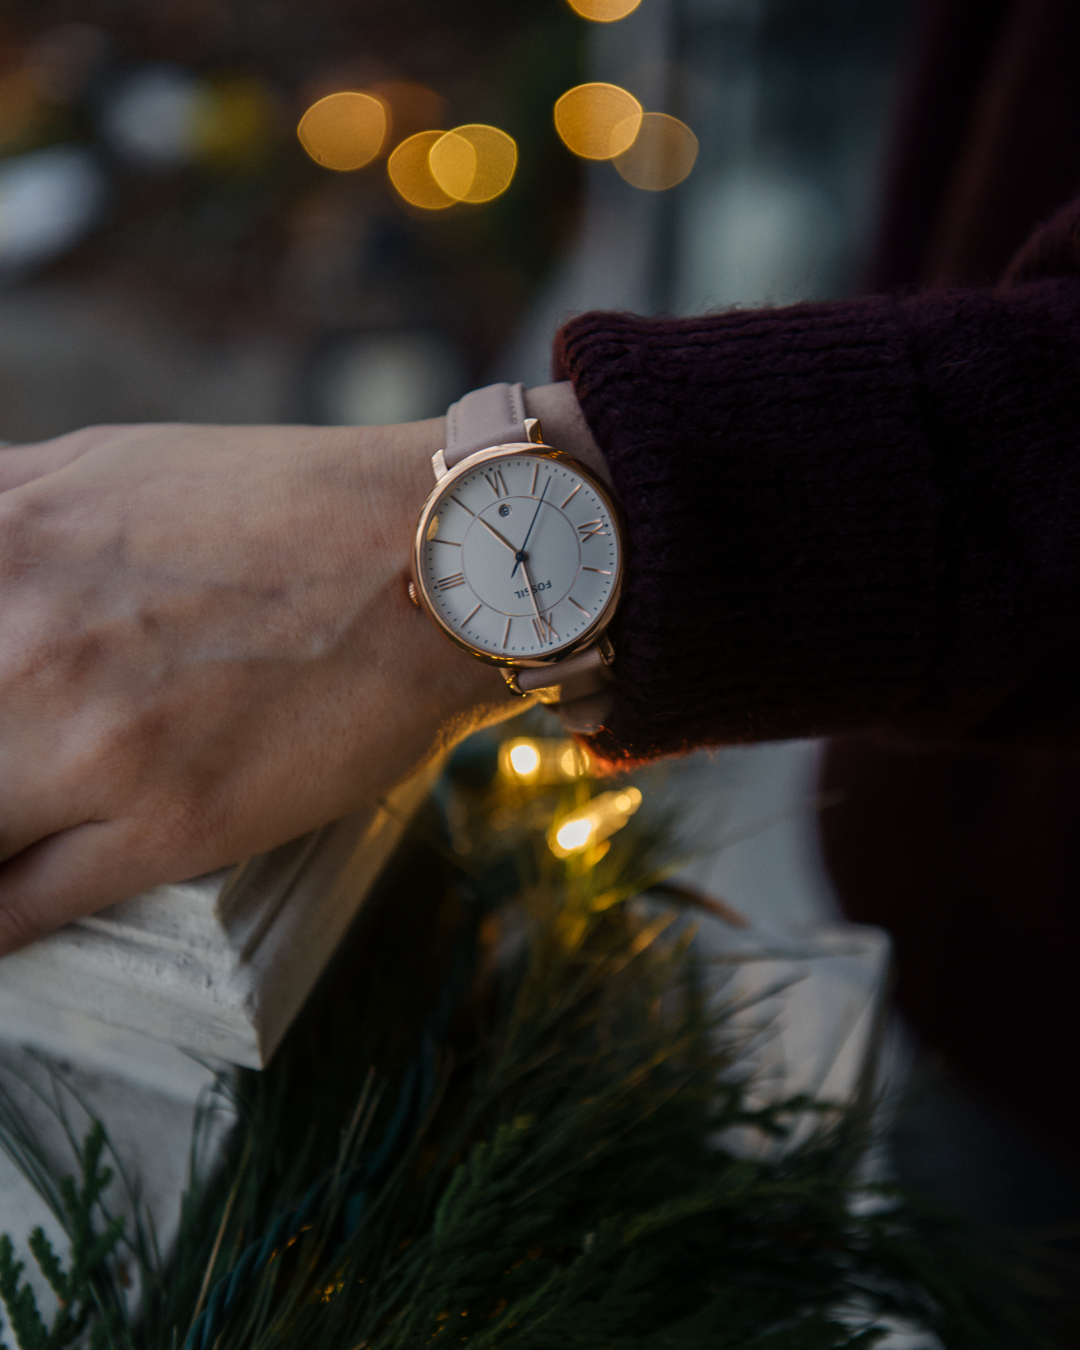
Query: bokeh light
[[661, 154], [574, 834], [149, 117], [596, 822], [474, 163], [543, 761], [409, 168], [344, 131], [604, 11], [598, 121], [524, 758], [49, 199]]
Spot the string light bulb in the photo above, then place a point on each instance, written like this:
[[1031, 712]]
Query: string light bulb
[[543, 761], [603, 816]]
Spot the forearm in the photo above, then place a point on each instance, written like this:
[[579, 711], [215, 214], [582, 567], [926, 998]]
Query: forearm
[[848, 515]]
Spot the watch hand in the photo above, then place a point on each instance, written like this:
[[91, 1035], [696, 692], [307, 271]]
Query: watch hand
[[498, 536], [520, 553], [532, 596]]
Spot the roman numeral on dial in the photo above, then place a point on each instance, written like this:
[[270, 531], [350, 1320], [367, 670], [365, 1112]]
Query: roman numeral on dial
[[495, 483], [592, 527], [448, 583], [543, 628]]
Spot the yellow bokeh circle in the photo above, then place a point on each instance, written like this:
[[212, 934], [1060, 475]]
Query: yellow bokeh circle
[[344, 131], [409, 168], [604, 11], [473, 163], [661, 154], [598, 121]]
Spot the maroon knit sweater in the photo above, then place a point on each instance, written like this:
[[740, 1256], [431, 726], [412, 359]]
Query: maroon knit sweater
[[856, 514]]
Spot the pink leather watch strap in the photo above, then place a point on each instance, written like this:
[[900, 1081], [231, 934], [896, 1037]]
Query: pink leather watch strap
[[577, 688], [494, 415]]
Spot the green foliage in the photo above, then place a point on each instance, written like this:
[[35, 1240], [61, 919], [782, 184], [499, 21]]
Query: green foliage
[[517, 1115], [82, 1293]]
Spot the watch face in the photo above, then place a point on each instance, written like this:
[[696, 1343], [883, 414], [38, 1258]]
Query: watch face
[[518, 555]]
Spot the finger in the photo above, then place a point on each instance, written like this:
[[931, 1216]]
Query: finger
[[70, 874], [27, 821], [21, 464]]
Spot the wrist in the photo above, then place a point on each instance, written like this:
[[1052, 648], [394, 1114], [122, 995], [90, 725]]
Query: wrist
[[462, 692], [564, 425]]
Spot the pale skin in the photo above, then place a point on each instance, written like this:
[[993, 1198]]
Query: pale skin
[[207, 648]]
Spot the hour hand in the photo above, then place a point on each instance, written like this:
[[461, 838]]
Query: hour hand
[[505, 542]]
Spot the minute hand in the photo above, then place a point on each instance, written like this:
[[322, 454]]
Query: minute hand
[[521, 551]]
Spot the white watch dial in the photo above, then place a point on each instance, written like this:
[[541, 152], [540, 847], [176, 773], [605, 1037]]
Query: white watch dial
[[520, 556]]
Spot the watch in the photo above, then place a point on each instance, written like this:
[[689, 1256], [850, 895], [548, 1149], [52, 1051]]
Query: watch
[[518, 555]]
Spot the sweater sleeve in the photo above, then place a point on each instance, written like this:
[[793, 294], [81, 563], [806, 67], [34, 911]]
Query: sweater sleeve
[[861, 514]]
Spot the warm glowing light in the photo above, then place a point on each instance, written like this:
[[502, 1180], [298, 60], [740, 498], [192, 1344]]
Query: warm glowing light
[[662, 153], [344, 131], [602, 817], [573, 761], [543, 761], [524, 758], [598, 121], [604, 11], [474, 163], [409, 168], [575, 835]]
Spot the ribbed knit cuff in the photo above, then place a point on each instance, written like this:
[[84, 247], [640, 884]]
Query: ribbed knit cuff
[[795, 483]]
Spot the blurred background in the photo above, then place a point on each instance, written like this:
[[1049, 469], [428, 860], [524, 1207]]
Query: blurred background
[[353, 211], [224, 210]]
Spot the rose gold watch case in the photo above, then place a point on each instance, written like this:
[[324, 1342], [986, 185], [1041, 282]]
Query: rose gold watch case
[[445, 485]]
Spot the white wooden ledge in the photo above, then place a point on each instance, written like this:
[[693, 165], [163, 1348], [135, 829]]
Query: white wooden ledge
[[219, 965]]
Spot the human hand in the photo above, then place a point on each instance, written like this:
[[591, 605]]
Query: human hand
[[206, 648]]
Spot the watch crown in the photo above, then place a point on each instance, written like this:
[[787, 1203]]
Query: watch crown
[[413, 596]]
